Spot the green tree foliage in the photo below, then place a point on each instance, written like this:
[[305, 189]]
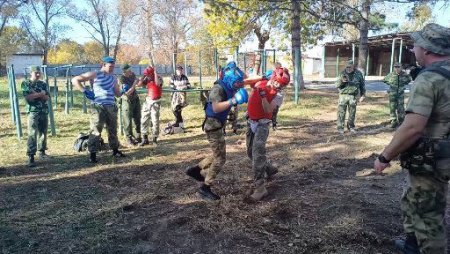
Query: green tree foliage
[[13, 40], [419, 16]]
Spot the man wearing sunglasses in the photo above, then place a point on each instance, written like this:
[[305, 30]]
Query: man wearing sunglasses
[[397, 81]]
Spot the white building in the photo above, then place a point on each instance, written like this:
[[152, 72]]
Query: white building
[[22, 61]]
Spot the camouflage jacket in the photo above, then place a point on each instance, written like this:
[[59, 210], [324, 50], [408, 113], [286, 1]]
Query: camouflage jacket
[[429, 98], [128, 80], [397, 82], [36, 105], [354, 85]]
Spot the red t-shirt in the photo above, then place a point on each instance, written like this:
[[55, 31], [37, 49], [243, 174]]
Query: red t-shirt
[[153, 90], [255, 109]]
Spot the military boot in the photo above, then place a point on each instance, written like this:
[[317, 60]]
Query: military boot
[[130, 141], [259, 191], [144, 141], [270, 172], [31, 162], [138, 138], [409, 245], [93, 157], [116, 153], [155, 140], [194, 172], [206, 193]]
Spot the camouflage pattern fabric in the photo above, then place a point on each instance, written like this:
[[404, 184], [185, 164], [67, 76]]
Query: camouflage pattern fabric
[[101, 115], [346, 101], [397, 83], [131, 111], [211, 166], [150, 116], [233, 117], [424, 200], [256, 151], [29, 87], [37, 132], [355, 83]]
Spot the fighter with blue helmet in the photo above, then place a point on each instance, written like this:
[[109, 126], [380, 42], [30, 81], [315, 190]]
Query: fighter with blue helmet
[[226, 92]]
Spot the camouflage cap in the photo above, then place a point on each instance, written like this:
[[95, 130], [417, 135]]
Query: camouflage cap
[[35, 68], [434, 38], [126, 67]]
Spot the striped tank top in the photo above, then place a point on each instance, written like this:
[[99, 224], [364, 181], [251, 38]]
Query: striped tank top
[[104, 88]]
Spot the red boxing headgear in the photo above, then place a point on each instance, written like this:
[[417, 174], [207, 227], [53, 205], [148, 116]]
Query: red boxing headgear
[[150, 72], [281, 76]]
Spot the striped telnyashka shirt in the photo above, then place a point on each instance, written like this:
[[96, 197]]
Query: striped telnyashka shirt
[[104, 88]]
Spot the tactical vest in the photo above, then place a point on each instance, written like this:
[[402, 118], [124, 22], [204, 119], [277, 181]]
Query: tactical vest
[[221, 116]]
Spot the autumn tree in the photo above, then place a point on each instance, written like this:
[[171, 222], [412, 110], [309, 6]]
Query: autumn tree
[[13, 40], [93, 52], [66, 52], [105, 21], [40, 19], [8, 10], [418, 17]]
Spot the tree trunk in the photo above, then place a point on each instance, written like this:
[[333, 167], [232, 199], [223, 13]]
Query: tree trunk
[[363, 49], [150, 32], [297, 42], [263, 37]]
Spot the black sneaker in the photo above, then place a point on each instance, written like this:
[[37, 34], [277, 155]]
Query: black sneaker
[[31, 162], [194, 172], [409, 245], [93, 157], [117, 153], [206, 193]]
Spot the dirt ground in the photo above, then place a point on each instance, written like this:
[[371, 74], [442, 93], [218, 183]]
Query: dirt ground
[[325, 199]]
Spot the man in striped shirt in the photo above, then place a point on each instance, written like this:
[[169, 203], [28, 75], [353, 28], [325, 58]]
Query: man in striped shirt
[[103, 106]]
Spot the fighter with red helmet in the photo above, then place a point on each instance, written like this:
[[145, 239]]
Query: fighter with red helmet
[[264, 98], [152, 104]]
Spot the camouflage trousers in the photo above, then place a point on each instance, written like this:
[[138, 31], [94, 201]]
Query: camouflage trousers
[[150, 116], [274, 115], [256, 150], [423, 205], [101, 115], [211, 166], [37, 132], [131, 111], [346, 101], [233, 118], [397, 108]]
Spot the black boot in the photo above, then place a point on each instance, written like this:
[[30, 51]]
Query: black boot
[[409, 245], [155, 140], [206, 193], [138, 139], [117, 153], [144, 141], [31, 162], [93, 157], [130, 141], [194, 172]]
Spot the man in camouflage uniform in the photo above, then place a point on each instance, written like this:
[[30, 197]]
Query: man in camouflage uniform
[[350, 83], [423, 140], [397, 80], [227, 92], [36, 95], [130, 105]]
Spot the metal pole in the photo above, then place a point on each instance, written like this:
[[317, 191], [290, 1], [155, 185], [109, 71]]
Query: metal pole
[[236, 55], [216, 62], [353, 53], [66, 108], [16, 102], [367, 62], [263, 60], [337, 62], [84, 101], [185, 64], [55, 87], [200, 68], [401, 51], [71, 88], [297, 73], [174, 63], [392, 54], [274, 56], [245, 63], [51, 116], [10, 90]]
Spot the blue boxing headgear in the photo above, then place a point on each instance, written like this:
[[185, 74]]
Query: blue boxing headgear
[[232, 75]]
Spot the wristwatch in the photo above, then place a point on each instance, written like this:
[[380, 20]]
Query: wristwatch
[[383, 159]]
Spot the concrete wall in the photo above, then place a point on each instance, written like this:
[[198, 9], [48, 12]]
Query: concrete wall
[[20, 62]]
